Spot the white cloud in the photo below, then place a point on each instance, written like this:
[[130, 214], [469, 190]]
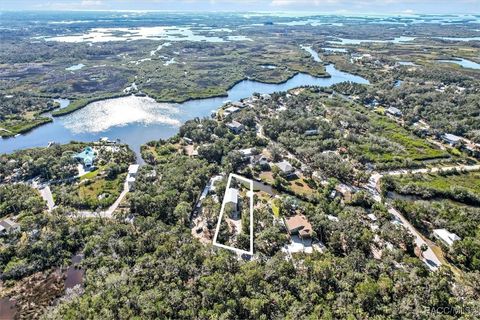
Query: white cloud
[[91, 3]]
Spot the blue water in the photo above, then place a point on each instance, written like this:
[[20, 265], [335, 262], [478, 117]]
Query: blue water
[[329, 49], [406, 63], [135, 134], [312, 52], [75, 67], [360, 41], [463, 62], [459, 39]]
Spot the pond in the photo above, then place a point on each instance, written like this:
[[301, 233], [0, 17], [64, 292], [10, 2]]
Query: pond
[[8, 309], [136, 120], [74, 275], [406, 63], [463, 62], [75, 67]]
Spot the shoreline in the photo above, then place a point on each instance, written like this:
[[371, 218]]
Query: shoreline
[[27, 128], [77, 104]]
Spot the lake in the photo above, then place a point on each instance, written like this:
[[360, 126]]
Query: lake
[[360, 41], [136, 120], [330, 49]]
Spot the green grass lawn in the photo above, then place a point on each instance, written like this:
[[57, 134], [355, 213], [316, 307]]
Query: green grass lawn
[[91, 192]]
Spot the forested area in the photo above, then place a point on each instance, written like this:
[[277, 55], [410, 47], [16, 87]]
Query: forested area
[[153, 269], [21, 112], [344, 131], [19, 199], [447, 98]]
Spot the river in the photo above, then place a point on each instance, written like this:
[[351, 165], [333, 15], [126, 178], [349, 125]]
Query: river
[[136, 120]]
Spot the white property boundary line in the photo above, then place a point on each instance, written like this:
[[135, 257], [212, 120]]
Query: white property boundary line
[[215, 243]]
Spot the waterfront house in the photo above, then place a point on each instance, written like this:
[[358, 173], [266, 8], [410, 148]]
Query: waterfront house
[[235, 126], [87, 157], [446, 236], [230, 110], [238, 104], [266, 96], [231, 202], [299, 225]]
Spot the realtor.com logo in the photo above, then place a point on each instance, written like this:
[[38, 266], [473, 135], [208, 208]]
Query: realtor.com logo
[[453, 310]]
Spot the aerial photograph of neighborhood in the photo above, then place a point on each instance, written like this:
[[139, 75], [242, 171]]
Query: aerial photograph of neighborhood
[[256, 159]]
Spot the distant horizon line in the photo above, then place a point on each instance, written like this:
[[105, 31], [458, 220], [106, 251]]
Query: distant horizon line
[[307, 13]]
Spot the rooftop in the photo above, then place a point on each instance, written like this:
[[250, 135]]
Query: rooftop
[[445, 235], [231, 195], [246, 152], [452, 137], [87, 156], [285, 166], [394, 110], [133, 169], [299, 222], [234, 124], [7, 224], [232, 109]]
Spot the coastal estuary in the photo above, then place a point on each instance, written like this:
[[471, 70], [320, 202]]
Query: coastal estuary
[[135, 120]]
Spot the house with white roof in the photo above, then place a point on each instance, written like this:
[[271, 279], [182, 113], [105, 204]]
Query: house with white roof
[[231, 110], [8, 226], [394, 112], [446, 236], [231, 202], [451, 139], [132, 176], [285, 167], [235, 126]]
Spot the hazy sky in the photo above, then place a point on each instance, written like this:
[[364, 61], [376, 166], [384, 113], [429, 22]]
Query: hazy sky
[[330, 6]]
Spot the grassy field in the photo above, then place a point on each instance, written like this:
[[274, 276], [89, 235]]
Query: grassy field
[[469, 181], [90, 193], [414, 148]]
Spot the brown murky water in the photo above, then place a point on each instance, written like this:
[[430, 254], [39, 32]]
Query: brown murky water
[[75, 273], [8, 309]]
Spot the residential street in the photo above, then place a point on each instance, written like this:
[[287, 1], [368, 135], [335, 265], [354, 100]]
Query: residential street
[[429, 256]]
